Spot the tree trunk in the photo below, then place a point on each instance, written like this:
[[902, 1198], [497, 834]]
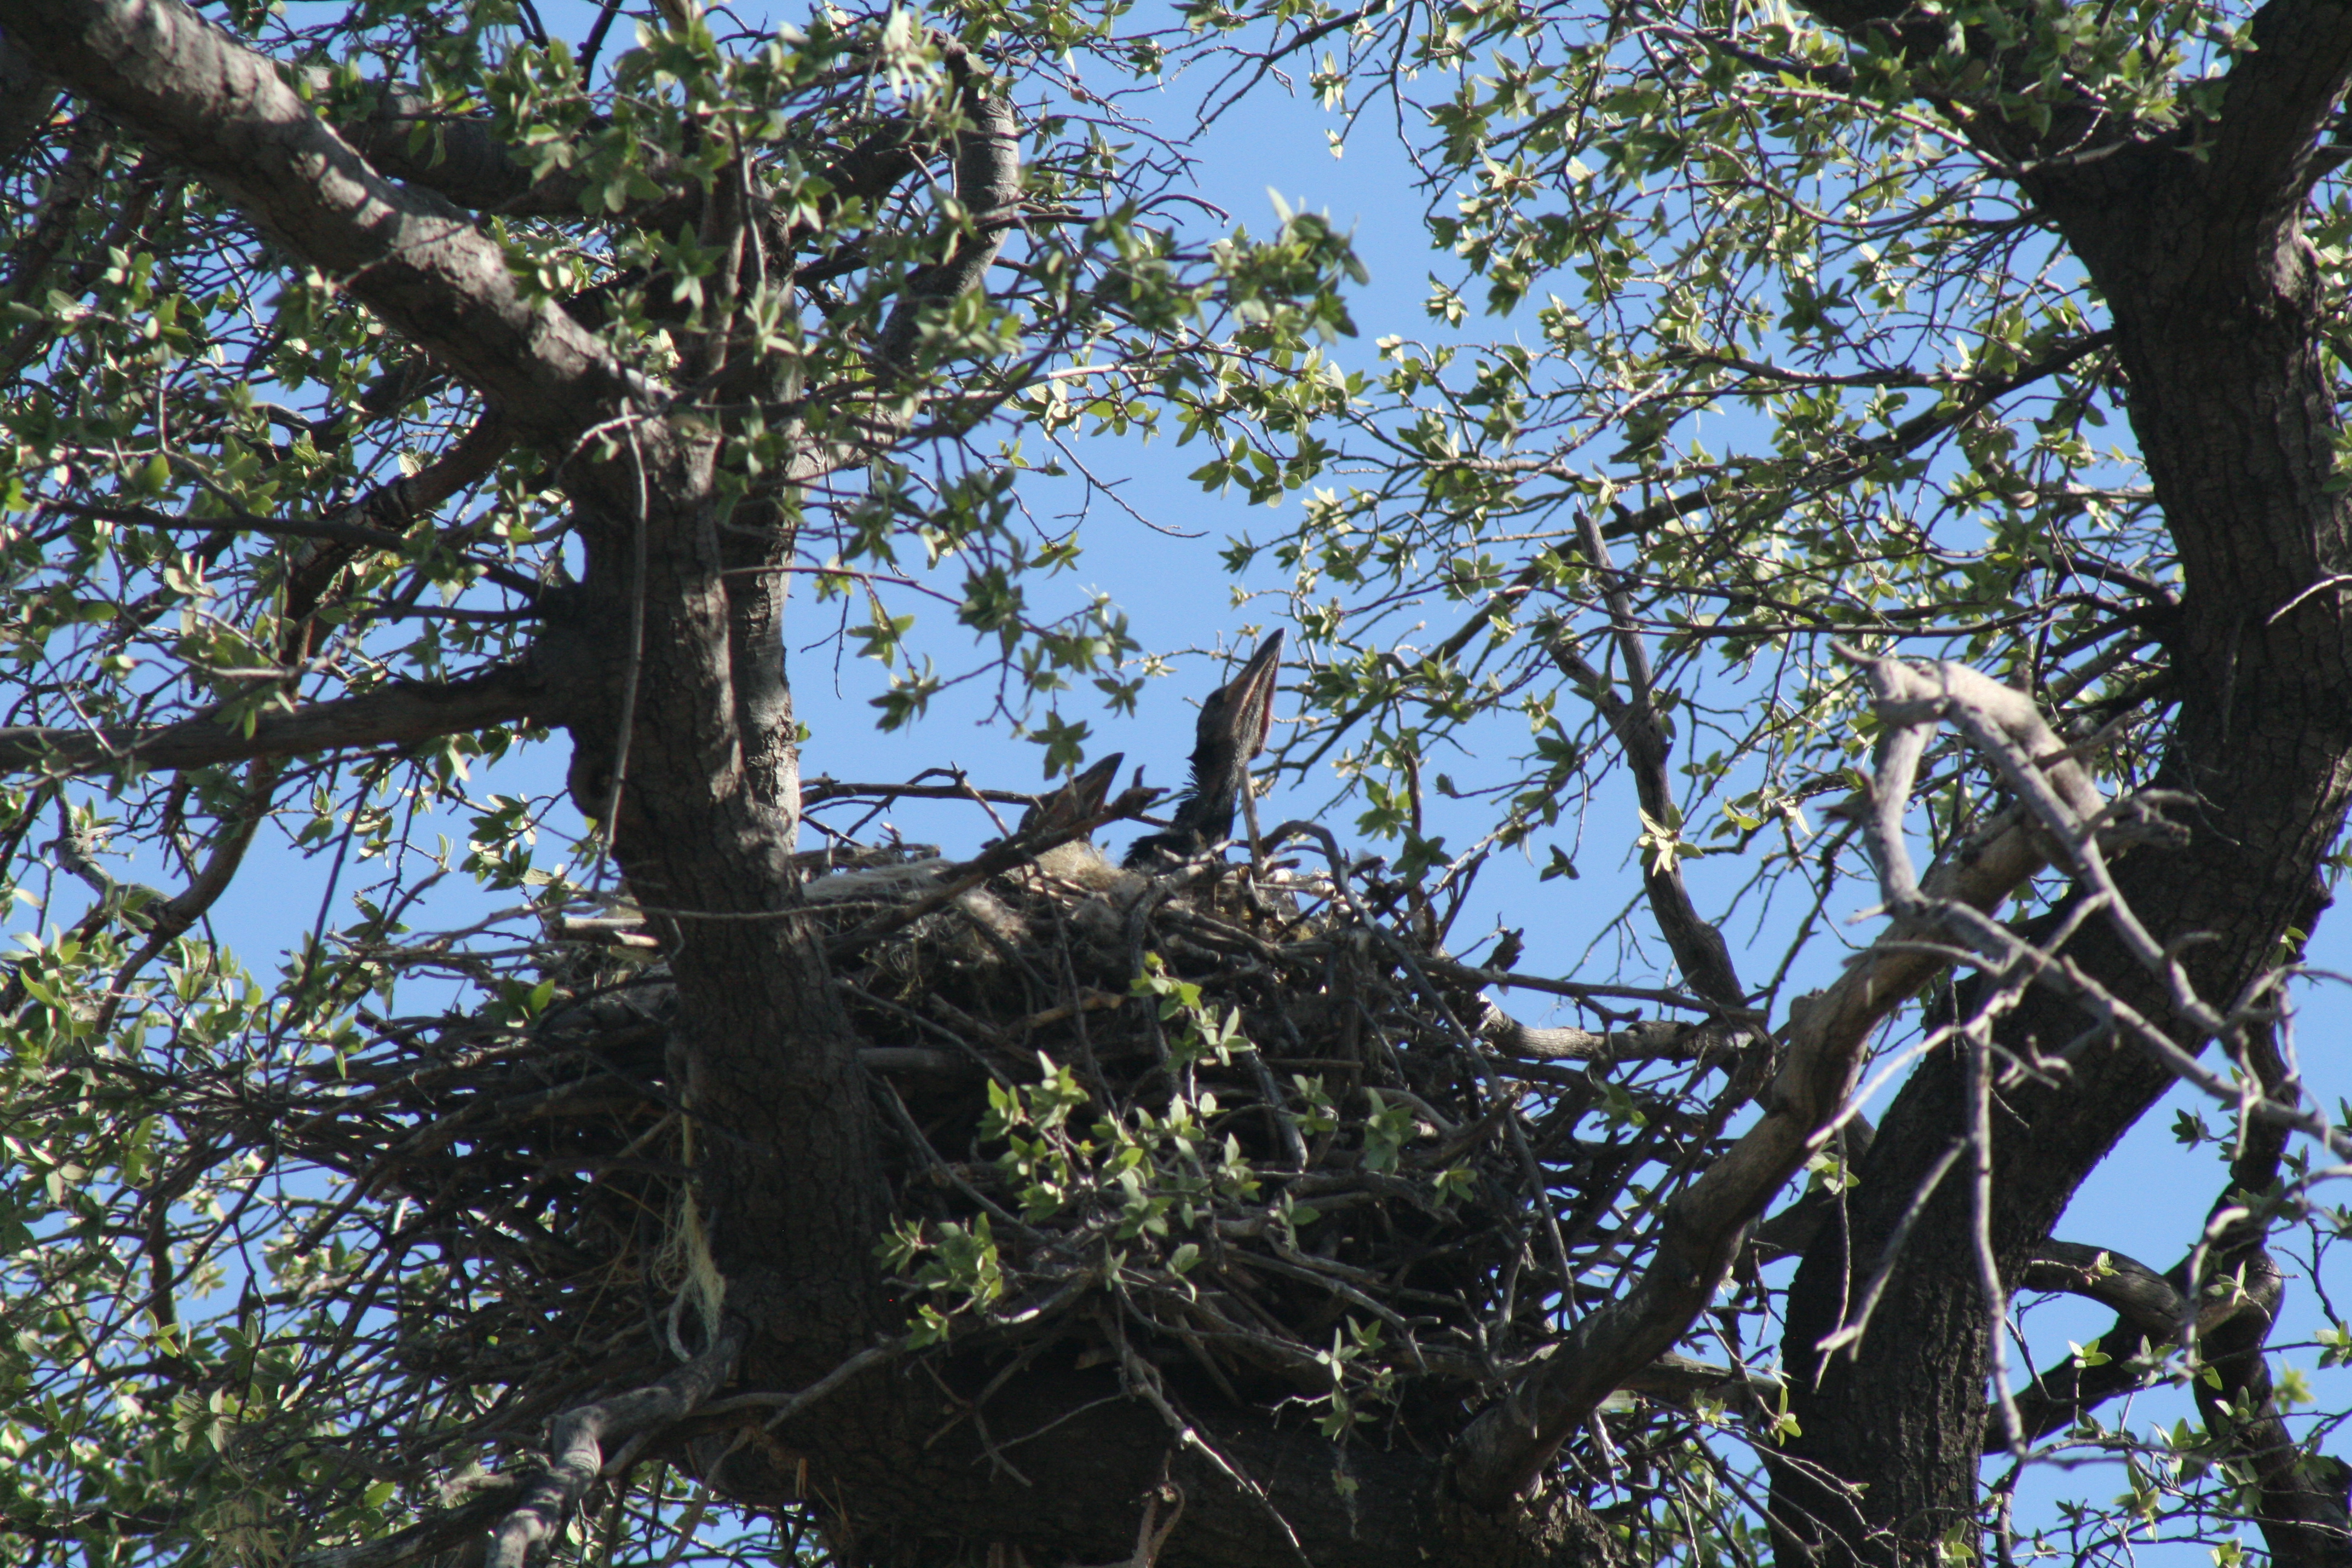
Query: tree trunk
[[697, 748]]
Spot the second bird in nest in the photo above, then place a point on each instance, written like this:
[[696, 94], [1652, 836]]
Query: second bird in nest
[[1229, 733]]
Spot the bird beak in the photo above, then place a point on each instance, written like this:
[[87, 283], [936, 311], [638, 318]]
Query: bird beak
[[1089, 789], [1250, 697]]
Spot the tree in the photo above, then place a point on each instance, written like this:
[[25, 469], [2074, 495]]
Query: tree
[[1930, 246], [636, 1244]]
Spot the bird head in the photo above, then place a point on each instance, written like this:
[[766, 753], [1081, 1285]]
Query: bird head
[[1075, 802], [1235, 719]]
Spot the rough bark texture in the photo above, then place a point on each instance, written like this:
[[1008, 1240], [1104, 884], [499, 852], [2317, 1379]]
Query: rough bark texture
[[1060, 1464], [397, 715], [786, 1158], [2216, 301]]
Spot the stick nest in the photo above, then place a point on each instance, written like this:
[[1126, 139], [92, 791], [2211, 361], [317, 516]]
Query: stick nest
[[1234, 1131]]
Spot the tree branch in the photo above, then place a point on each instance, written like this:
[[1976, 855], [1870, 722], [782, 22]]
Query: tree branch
[[2304, 1518], [2137, 1294], [2149, 1308], [464, 161], [2279, 96], [575, 1448], [220, 109], [170, 918], [987, 189], [491, 1498], [1650, 1040], [1795, 1227], [1698, 947], [1507, 1445], [27, 101], [376, 521], [399, 715]]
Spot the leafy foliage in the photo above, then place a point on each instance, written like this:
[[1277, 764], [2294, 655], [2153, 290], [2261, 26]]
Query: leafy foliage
[[1746, 341]]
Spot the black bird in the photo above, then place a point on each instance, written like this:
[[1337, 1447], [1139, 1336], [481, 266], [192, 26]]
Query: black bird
[[1232, 730]]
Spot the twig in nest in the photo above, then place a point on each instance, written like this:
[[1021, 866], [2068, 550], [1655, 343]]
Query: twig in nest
[[1142, 1378]]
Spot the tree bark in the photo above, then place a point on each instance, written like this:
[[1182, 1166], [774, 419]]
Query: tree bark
[[1059, 1463], [681, 736]]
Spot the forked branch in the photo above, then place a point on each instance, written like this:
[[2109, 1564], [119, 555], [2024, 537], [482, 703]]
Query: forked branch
[[224, 111], [1507, 1445]]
